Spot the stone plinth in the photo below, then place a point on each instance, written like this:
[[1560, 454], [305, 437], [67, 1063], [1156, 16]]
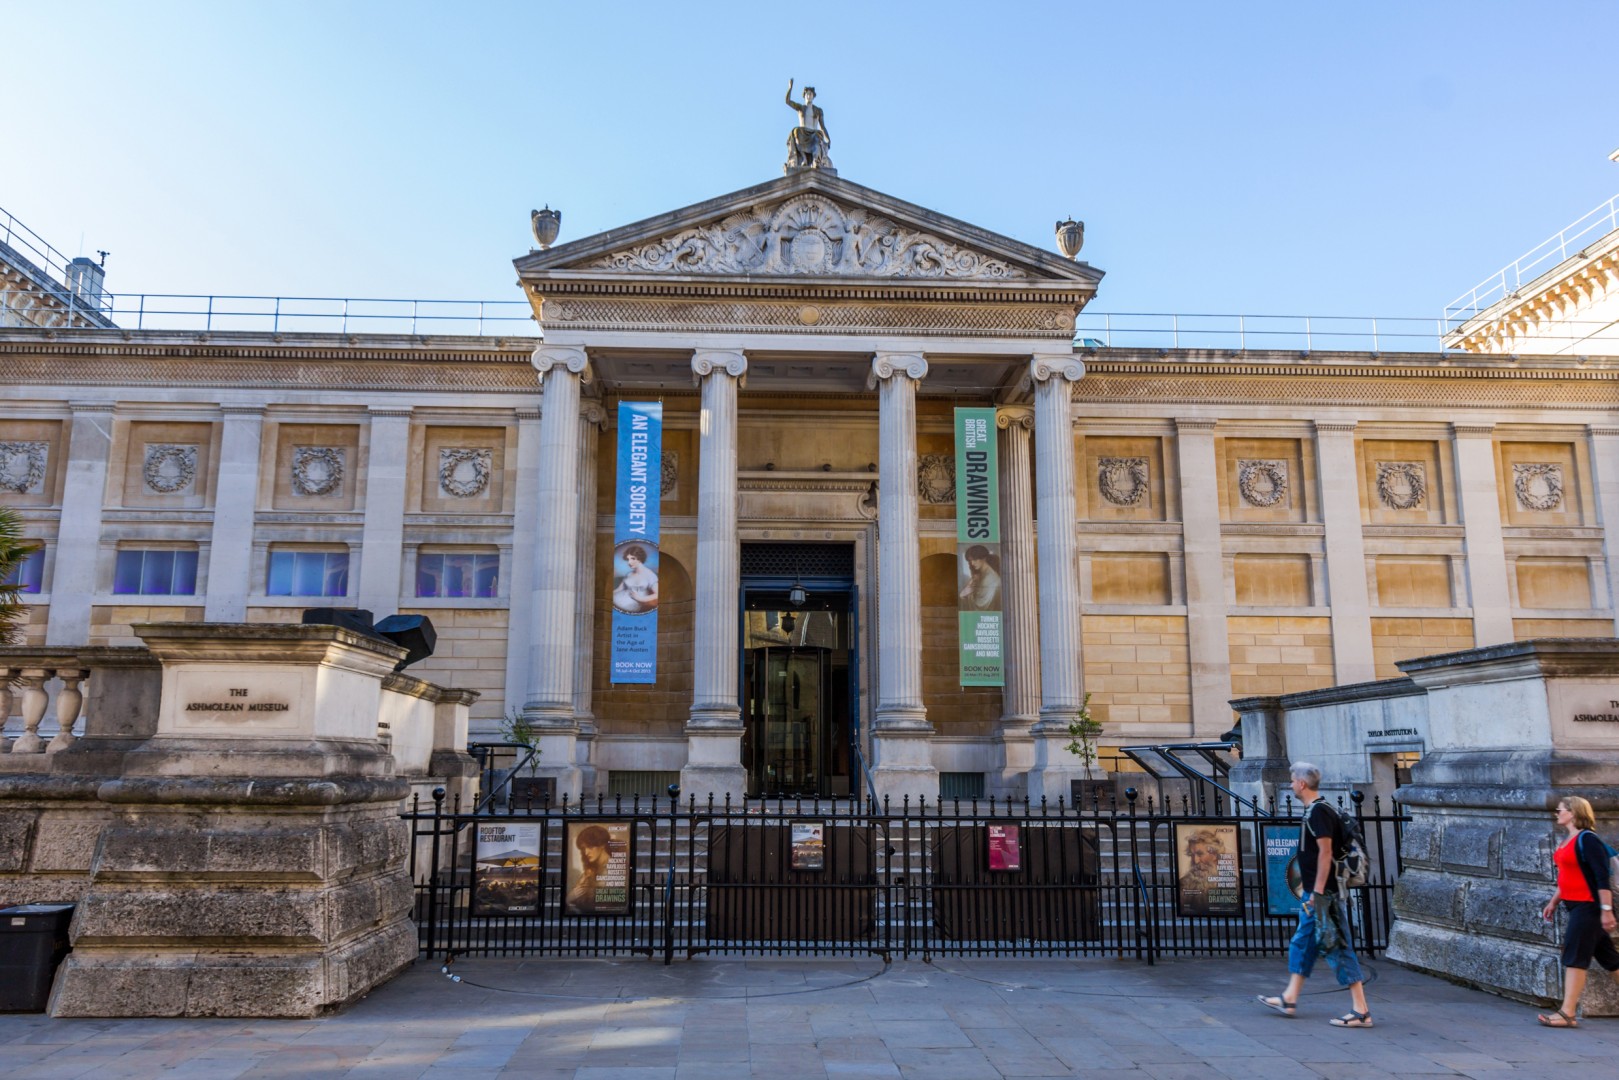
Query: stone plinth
[[1512, 729], [255, 862]]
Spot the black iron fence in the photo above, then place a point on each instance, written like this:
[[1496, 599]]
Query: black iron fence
[[656, 877]]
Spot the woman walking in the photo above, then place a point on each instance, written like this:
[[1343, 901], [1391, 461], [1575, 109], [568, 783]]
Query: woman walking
[[1584, 888]]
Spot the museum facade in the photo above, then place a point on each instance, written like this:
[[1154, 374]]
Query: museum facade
[[1177, 527]]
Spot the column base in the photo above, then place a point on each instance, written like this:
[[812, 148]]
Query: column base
[[1014, 754], [1055, 769], [714, 760], [902, 760]]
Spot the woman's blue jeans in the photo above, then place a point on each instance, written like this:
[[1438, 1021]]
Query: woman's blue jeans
[[1305, 946]]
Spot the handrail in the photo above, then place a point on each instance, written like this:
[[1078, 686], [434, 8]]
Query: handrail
[[865, 770], [1532, 263], [1164, 753]]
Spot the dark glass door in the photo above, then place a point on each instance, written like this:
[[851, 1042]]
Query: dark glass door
[[797, 699]]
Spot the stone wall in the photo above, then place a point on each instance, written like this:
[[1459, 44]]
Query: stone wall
[[1279, 654]]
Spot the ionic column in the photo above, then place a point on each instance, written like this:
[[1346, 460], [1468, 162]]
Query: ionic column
[[1062, 682], [552, 596], [1020, 697], [1346, 552], [236, 496], [75, 583], [518, 585], [901, 737], [382, 535], [1605, 465], [714, 730], [1480, 501], [1202, 551], [592, 419]]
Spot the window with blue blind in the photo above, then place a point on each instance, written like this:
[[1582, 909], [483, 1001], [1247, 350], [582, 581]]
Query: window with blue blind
[[458, 574], [308, 573], [29, 575], [155, 572]]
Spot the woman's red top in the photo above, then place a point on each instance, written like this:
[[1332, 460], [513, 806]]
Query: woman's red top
[[1570, 880]]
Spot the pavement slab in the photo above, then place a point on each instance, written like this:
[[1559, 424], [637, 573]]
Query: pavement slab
[[782, 1019]]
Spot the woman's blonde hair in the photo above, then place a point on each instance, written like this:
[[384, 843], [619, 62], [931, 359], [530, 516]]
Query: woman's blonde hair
[[1584, 816]]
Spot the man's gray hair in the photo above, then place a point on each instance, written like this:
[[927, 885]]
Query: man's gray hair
[[1307, 774]]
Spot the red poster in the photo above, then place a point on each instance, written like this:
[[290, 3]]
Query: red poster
[[1004, 852]]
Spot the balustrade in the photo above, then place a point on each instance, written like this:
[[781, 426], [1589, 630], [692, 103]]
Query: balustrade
[[36, 682]]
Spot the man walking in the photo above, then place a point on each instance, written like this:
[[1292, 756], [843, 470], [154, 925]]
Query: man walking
[[1323, 923]]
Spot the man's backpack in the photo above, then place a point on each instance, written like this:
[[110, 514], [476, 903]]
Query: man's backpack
[[1349, 860]]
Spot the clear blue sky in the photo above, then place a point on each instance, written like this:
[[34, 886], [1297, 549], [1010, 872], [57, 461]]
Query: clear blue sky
[[1299, 158]]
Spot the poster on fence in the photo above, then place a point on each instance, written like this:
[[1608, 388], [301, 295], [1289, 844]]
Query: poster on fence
[[978, 549], [808, 845], [1005, 851], [636, 525], [599, 861], [1283, 887], [1208, 869], [506, 869]]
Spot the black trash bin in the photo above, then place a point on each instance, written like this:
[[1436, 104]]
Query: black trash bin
[[33, 940]]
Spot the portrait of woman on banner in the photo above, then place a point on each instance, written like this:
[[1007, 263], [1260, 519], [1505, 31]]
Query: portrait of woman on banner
[[635, 578], [980, 576]]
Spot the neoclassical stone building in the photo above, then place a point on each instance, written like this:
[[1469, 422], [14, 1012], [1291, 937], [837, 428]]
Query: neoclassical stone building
[[1179, 527]]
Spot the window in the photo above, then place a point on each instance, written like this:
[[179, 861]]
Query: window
[[29, 575], [145, 572], [457, 573], [309, 573]]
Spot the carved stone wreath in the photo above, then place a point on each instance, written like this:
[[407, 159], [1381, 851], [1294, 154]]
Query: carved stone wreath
[[317, 470], [1262, 483], [1402, 485], [464, 471], [22, 466], [168, 468], [936, 478], [669, 473], [1539, 485], [1122, 480]]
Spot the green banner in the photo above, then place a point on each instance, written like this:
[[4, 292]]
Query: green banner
[[978, 548]]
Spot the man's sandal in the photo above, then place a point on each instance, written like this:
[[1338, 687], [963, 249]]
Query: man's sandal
[[1352, 1019], [1558, 1019], [1279, 1004]]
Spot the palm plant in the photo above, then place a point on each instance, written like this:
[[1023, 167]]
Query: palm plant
[[13, 550]]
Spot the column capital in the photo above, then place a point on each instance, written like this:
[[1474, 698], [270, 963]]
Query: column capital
[[242, 410], [1335, 427], [77, 407], [1043, 366], [546, 357], [885, 365], [1194, 423], [705, 362], [1011, 416], [1609, 430], [386, 411], [593, 413], [1473, 431]]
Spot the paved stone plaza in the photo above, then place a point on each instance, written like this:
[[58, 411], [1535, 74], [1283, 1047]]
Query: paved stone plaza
[[718, 1019]]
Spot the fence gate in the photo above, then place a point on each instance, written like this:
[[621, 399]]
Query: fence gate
[[653, 877]]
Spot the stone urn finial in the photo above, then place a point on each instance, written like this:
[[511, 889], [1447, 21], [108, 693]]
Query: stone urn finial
[[546, 224], [1070, 237]]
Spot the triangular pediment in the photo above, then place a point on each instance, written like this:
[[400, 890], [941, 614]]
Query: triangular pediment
[[809, 225]]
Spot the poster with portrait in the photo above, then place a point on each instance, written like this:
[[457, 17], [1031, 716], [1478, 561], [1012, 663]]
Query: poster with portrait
[[599, 868], [1005, 847], [978, 549], [808, 845], [506, 869], [1208, 869], [636, 528], [1283, 888]]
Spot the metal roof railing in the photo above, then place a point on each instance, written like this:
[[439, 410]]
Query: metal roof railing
[[20, 238], [1536, 261]]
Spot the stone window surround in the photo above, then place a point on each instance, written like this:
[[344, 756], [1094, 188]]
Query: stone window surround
[[191, 599], [262, 584], [407, 585]]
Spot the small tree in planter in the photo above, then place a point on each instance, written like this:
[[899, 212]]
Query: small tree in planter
[[1083, 732], [522, 732]]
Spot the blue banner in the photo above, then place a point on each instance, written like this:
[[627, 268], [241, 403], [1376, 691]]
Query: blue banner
[[635, 542], [1281, 872]]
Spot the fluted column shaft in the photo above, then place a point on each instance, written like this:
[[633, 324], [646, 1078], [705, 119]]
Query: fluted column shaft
[[714, 730], [1062, 684], [556, 548], [1021, 695], [592, 417]]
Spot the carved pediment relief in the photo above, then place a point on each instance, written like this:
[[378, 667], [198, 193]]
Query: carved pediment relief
[[809, 235]]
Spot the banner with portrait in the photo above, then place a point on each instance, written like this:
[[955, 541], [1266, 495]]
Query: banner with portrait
[[599, 857], [978, 549], [506, 869], [636, 525], [1208, 869], [1284, 889]]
